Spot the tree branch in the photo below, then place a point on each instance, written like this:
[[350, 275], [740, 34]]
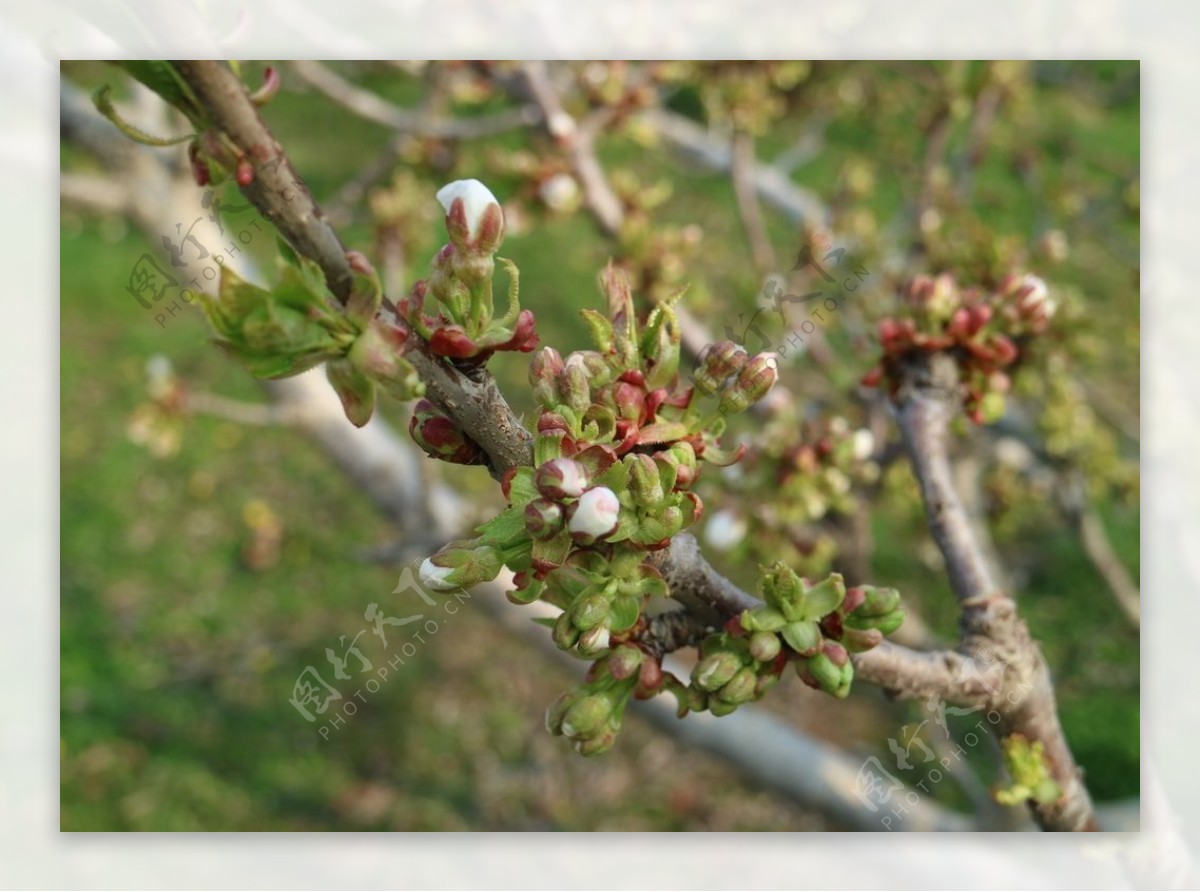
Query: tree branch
[[992, 630]]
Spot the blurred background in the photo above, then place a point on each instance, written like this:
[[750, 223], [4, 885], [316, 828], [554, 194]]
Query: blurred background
[[210, 553]]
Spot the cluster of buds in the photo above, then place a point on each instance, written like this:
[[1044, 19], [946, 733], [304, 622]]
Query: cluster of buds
[[984, 331], [726, 369], [819, 625], [465, 328], [590, 714], [810, 479], [733, 668]]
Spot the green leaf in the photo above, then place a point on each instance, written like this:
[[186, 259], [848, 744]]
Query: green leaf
[[802, 636], [553, 550], [822, 598], [664, 432], [601, 330], [624, 613], [521, 490], [506, 527]]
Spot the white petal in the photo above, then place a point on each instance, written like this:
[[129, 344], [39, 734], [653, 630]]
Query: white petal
[[595, 512], [434, 577], [476, 198]]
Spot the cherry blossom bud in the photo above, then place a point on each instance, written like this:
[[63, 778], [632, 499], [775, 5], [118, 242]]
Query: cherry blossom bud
[[863, 444], [459, 565], [561, 478], [755, 379], [624, 661], [543, 518], [245, 172], [716, 363], [715, 670], [587, 716], [594, 516], [724, 530], [594, 641], [439, 437], [764, 646], [473, 216], [544, 368]]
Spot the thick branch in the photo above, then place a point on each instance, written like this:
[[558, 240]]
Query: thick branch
[[991, 628]]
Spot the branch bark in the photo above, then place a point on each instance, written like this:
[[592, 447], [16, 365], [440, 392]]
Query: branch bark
[[992, 630]]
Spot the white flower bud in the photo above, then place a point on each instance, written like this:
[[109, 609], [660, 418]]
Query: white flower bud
[[724, 529], [864, 444], [476, 199], [595, 514], [559, 192], [435, 577]]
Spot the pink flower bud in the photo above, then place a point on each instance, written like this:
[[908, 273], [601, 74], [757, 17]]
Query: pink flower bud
[[594, 516], [561, 478]]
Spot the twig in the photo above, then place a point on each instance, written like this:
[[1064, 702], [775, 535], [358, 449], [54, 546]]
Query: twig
[[741, 170], [373, 107]]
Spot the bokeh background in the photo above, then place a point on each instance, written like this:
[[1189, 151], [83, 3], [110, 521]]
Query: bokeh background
[[205, 562]]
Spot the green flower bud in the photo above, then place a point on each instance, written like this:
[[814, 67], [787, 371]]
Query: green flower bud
[[764, 646], [459, 565], [644, 482], [558, 710], [599, 744], [740, 688], [625, 661], [716, 363], [715, 670], [586, 716], [594, 642], [565, 634], [763, 619]]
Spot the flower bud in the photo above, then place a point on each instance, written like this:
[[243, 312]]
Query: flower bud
[[543, 518], [544, 368], [561, 478], [460, 564], [564, 633], [625, 661], [574, 383], [753, 382], [716, 363], [589, 611], [764, 646], [598, 744], [557, 710], [473, 216], [683, 456], [740, 688], [714, 671], [379, 354], [594, 516], [593, 642], [586, 716], [439, 437], [645, 484]]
